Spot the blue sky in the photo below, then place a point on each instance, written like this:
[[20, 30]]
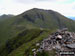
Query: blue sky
[[65, 7]]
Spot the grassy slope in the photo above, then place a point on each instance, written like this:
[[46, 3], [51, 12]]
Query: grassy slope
[[9, 28], [24, 42]]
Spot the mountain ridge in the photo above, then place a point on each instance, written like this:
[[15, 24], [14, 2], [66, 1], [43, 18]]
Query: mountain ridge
[[35, 18], [24, 28]]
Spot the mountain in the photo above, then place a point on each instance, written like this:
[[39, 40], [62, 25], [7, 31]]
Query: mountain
[[33, 24], [34, 18], [45, 18]]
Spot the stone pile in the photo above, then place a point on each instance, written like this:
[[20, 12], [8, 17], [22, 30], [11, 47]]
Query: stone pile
[[58, 39]]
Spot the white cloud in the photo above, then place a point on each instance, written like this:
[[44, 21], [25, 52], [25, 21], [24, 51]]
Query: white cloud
[[19, 6], [25, 1], [65, 9]]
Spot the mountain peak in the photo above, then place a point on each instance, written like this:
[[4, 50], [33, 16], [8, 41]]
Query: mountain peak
[[34, 8], [40, 9], [37, 9]]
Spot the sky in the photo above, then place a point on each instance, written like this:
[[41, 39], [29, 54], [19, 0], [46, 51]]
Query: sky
[[65, 7]]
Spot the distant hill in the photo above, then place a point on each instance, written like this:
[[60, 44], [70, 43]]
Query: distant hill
[[71, 17], [4, 16], [23, 29]]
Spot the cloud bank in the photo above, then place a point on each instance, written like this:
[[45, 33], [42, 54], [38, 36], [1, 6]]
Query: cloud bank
[[65, 7]]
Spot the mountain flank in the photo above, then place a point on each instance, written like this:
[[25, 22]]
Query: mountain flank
[[28, 28], [34, 18]]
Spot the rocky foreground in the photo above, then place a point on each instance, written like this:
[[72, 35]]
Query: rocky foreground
[[62, 41]]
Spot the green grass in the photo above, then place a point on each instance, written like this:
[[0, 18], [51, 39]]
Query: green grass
[[26, 40], [27, 43]]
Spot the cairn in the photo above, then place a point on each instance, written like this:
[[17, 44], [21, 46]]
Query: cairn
[[58, 40]]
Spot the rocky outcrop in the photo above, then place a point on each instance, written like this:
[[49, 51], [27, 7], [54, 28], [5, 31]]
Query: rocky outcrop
[[62, 40]]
